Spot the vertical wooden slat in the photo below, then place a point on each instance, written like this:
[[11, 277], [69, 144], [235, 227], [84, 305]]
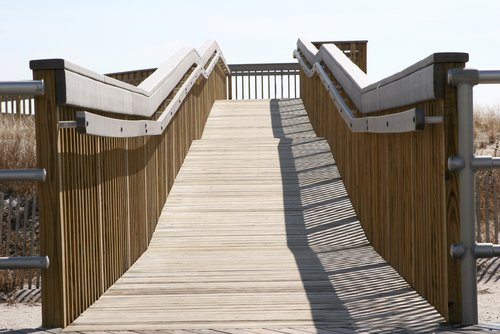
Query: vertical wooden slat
[[255, 83], [486, 185], [268, 85], [477, 186], [25, 237], [249, 83], [242, 86], [32, 238], [281, 79], [15, 239], [235, 86], [275, 78]]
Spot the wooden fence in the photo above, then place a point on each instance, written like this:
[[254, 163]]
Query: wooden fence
[[406, 199], [17, 105], [102, 198], [19, 233], [487, 201]]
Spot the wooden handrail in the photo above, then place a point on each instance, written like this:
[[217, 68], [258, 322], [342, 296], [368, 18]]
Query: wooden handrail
[[102, 197], [405, 121], [420, 82], [142, 100], [81, 87], [405, 198]]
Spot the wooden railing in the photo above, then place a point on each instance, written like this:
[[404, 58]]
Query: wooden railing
[[263, 81], [405, 198], [356, 51], [104, 192]]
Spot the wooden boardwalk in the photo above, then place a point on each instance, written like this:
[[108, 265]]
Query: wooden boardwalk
[[258, 236]]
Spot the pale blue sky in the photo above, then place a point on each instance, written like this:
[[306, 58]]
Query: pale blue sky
[[117, 35]]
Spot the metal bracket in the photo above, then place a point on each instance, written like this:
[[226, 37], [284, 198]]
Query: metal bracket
[[419, 119], [480, 250], [66, 124], [456, 163], [458, 76], [457, 250]]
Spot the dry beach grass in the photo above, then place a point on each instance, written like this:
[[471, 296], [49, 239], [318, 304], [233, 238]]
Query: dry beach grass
[[17, 149]]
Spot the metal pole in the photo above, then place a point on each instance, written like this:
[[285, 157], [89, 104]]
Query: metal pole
[[466, 190], [489, 77], [24, 262], [29, 87], [23, 174]]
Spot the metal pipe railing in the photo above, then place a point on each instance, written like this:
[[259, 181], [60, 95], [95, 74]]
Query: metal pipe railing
[[25, 175], [467, 250], [489, 77], [24, 262], [29, 87]]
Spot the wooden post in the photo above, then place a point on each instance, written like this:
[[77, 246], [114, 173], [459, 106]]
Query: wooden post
[[230, 87], [452, 219], [52, 243]]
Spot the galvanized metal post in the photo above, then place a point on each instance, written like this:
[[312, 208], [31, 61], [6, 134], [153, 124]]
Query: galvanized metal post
[[466, 190], [466, 163]]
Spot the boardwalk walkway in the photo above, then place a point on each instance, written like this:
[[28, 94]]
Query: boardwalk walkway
[[258, 236]]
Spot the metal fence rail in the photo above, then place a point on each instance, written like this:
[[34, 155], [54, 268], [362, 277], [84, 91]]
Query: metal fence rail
[[264, 81], [19, 235]]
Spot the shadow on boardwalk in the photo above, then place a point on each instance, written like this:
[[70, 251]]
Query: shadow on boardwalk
[[346, 281]]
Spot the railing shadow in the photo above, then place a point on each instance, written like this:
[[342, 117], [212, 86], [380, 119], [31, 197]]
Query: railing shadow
[[347, 283], [489, 270], [39, 330]]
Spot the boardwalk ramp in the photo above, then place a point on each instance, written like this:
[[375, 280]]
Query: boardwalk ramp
[[258, 236]]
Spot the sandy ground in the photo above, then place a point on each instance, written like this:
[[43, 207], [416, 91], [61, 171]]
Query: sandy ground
[[488, 299], [488, 290], [20, 316]]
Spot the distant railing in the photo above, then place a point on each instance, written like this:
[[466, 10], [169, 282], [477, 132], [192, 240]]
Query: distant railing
[[17, 105], [112, 149], [263, 81], [394, 171]]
